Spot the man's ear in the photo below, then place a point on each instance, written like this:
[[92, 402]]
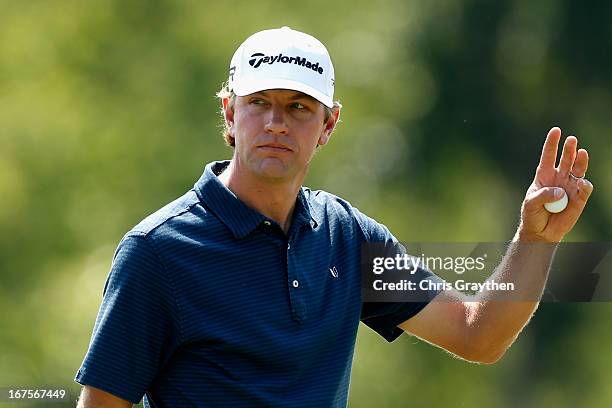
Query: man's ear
[[329, 126], [228, 112]]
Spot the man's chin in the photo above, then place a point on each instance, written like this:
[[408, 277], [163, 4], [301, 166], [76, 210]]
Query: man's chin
[[275, 170]]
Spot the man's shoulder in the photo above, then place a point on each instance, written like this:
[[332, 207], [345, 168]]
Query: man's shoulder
[[334, 208], [177, 212], [324, 202]]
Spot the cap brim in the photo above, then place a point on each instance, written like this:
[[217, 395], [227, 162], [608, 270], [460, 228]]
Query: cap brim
[[265, 84]]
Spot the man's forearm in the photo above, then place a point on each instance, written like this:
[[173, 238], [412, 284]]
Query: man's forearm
[[498, 317]]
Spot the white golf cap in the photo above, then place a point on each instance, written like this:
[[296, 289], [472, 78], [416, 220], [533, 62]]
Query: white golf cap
[[283, 58]]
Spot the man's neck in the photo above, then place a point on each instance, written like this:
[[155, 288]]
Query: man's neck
[[275, 200]]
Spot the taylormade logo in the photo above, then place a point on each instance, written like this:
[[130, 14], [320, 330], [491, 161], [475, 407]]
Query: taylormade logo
[[258, 58]]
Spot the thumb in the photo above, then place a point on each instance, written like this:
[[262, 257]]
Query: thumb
[[538, 198]]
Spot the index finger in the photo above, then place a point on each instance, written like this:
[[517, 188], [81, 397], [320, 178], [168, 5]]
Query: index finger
[[549, 151]]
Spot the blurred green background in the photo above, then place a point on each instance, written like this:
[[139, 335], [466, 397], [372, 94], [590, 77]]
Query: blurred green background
[[107, 112]]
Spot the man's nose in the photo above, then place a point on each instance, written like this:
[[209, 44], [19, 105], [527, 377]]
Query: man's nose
[[276, 121]]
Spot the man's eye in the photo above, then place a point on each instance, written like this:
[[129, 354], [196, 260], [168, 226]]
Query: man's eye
[[299, 106], [257, 101]]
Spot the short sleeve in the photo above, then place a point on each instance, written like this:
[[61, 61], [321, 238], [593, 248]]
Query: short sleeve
[[384, 317], [136, 329]]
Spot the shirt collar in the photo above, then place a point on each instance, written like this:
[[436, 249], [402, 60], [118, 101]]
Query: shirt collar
[[236, 215]]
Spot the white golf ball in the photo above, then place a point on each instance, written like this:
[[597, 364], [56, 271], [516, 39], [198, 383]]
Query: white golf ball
[[557, 206]]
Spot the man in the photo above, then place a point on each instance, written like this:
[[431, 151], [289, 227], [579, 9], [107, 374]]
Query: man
[[246, 291]]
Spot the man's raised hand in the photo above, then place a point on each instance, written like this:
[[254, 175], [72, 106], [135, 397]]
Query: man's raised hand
[[537, 224]]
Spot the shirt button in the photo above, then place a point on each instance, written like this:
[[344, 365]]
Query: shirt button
[[296, 283], [267, 223], [288, 247]]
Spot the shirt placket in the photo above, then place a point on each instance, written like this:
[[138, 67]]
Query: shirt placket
[[295, 284]]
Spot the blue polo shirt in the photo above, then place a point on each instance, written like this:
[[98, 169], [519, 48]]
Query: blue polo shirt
[[210, 304]]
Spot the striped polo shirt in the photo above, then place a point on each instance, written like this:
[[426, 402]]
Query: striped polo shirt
[[209, 303]]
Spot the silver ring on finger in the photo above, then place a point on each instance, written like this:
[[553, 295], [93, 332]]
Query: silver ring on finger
[[576, 177]]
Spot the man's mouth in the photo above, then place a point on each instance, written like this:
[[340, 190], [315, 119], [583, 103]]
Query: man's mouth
[[276, 147]]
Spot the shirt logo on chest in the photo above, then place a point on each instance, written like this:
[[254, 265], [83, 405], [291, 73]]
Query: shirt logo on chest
[[333, 271]]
